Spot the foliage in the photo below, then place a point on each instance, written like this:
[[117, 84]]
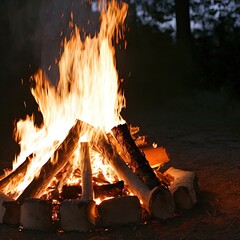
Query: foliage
[[215, 50]]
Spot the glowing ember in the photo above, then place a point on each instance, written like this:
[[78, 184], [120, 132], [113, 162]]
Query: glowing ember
[[88, 89]]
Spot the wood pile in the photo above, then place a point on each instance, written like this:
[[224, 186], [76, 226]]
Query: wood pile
[[137, 166]]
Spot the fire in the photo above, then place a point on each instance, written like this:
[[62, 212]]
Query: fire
[[88, 89]]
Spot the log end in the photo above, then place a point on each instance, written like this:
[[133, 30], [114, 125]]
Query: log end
[[119, 211], [77, 215], [161, 204], [9, 210], [36, 214], [182, 198]]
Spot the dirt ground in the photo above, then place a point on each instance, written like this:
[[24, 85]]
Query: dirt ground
[[204, 141]]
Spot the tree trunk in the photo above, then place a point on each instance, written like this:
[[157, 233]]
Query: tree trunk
[[185, 66], [183, 22]]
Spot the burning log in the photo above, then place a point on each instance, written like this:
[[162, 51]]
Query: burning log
[[158, 201], [111, 213], [184, 187], [86, 171], [109, 190], [77, 215], [60, 157], [36, 214], [129, 151], [22, 169], [105, 190], [71, 192], [156, 156], [9, 210]]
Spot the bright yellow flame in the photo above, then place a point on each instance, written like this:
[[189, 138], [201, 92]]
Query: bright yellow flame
[[88, 89]]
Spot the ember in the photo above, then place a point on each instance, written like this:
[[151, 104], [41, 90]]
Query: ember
[[84, 149]]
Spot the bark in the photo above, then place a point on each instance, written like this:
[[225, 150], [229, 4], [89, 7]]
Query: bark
[[129, 151], [59, 159]]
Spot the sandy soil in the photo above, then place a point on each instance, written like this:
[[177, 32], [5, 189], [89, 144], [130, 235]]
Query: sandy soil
[[201, 141]]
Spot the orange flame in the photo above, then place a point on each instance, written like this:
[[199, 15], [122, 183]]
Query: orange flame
[[88, 89]]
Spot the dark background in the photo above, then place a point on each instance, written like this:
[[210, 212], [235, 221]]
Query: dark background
[[167, 69]]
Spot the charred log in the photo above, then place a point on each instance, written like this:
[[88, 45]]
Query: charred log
[[131, 153], [105, 190], [109, 190], [71, 192]]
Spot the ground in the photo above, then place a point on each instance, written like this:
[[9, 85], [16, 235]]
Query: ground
[[198, 138]]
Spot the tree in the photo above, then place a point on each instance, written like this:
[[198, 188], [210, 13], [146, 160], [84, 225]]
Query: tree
[[183, 22]]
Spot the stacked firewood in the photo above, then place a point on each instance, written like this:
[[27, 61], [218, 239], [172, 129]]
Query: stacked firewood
[[138, 171]]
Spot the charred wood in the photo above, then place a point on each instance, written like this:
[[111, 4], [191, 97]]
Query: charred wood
[[131, 153], [105, 190], [71, 192], [109, 190]]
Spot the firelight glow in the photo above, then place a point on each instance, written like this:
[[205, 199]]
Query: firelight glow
[[88, 89]]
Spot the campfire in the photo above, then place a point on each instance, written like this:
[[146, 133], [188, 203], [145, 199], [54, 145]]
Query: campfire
[[85, 167]]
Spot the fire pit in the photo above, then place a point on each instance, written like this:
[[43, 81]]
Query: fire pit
[[82, 167]]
